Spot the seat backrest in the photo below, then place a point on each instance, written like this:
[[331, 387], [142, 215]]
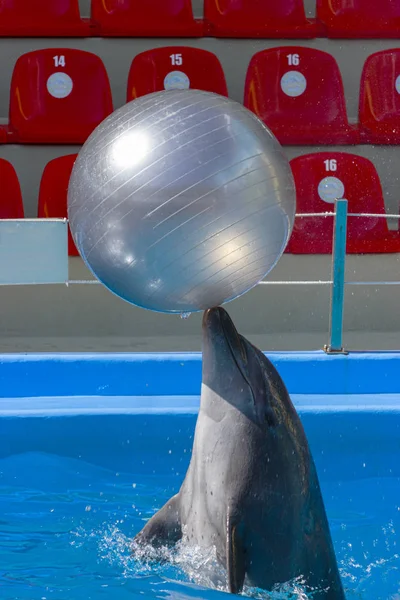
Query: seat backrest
[[144, 16], [357, 12], [270, 19], [284, 11], [26, 10], [175, 67], [322, 177], [292, 85], [58, 95], [53, 193], [44, 18], [11, 205], [380, 91]]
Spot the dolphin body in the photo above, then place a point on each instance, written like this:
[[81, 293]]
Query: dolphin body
[[251, 489]]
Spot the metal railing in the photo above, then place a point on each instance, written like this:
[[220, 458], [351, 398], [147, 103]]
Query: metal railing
[[338, 281], [338, 274]]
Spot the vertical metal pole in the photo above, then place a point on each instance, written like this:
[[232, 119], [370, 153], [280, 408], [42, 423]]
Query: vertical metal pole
[[338, 274]]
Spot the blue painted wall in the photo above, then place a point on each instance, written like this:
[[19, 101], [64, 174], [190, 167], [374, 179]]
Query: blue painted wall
[[27, 375]]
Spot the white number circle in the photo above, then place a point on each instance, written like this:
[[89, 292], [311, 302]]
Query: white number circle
[[176, 80], [293, 83], [59, 85], [330, 189], [397, 84]]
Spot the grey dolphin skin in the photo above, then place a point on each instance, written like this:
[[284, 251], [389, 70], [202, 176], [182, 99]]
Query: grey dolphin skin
[[251, 489]]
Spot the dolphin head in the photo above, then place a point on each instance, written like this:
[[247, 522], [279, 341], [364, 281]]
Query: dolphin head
[[240, 374]]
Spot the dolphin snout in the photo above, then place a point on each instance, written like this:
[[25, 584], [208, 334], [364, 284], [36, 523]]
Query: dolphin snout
[[211, 317], [217, 323]]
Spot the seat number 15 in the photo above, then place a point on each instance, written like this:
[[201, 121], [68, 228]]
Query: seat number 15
[[176, 60]]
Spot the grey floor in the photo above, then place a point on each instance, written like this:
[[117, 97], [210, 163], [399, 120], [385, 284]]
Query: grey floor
[[353, 341], [289, 317]]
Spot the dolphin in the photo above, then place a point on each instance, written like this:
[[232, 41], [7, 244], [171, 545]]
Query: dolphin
[[251, 490]]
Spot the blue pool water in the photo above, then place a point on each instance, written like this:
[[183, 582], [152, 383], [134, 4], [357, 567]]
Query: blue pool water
[[75, 486]]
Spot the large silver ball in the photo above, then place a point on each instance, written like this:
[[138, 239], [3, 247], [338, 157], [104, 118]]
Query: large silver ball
[[181, 200]]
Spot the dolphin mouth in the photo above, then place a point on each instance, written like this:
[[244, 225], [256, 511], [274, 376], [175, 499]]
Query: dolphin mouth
[[219, 330], [217, 321]]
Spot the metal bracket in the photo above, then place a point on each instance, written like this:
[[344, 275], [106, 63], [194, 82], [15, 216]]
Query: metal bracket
[[329, 350]]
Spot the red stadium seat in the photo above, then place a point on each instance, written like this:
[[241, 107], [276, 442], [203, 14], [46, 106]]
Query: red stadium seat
[[3, 134], [145, 18], [298, 93], [379, 110], [58, 95], [258, 19], [11, 206], [175, 67], [359, 18], [53, 193], [333, 175], [47, 18]]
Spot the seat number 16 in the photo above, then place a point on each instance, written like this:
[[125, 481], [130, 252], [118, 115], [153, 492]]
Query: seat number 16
[[293, 60], [330, 164]]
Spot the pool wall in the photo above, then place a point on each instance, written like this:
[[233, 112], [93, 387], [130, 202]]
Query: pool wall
[[175, 374]]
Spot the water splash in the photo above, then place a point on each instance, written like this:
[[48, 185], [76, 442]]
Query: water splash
[[183, 565], [185, 315], [193, 570]]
